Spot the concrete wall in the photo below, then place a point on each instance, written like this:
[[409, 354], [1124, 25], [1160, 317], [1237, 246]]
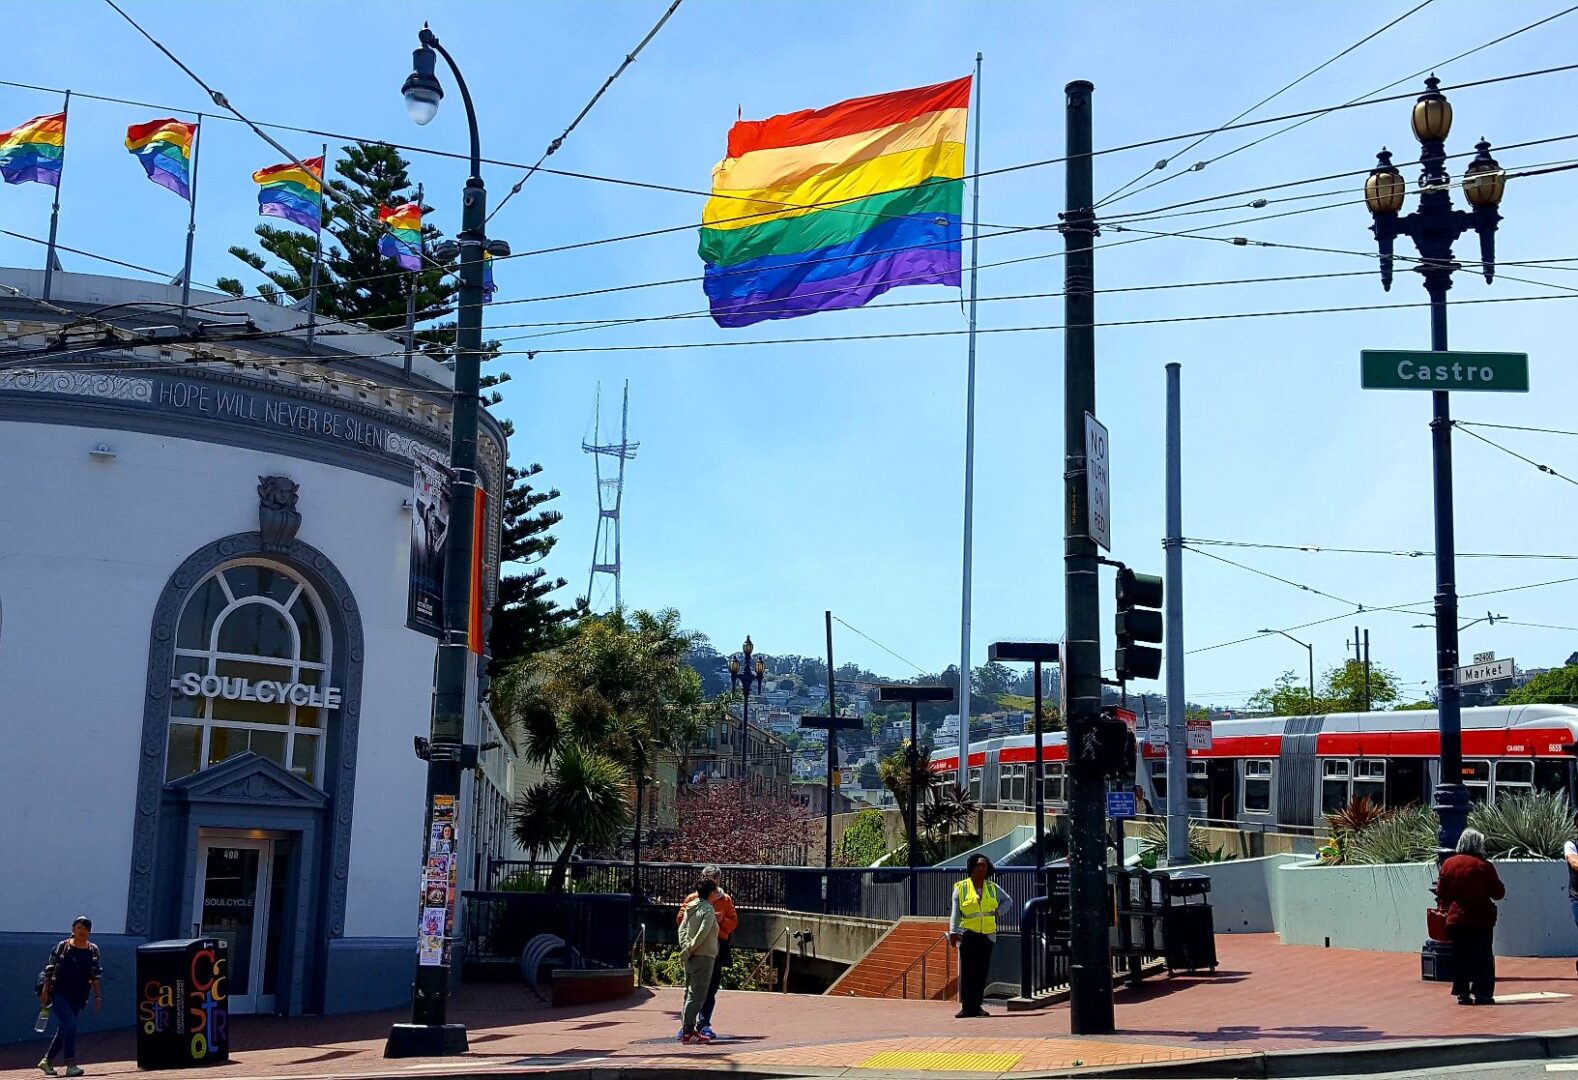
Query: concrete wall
[[837, 939], [1242, 893], [1383, 907]]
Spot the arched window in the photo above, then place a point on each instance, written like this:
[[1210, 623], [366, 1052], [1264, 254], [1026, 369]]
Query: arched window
[[252, 662]]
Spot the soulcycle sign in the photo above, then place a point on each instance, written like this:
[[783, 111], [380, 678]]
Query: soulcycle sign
[[263, 690]]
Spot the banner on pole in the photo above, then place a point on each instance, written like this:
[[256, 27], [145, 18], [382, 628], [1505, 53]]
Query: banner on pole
[[429, 531]]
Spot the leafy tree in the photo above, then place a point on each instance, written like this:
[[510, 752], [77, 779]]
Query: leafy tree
[[1559, 686], [1342, 691], [1288, 696], [991, 680], [595, 710], [864, 841]]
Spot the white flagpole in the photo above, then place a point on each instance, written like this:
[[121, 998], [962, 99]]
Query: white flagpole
[[191, 225], [969, 459], [317, 257], [54, 210]]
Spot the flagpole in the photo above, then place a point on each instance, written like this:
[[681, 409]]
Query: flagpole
[[969, 459], [54, 210], [410, 294], [191, 224], [317, 256]]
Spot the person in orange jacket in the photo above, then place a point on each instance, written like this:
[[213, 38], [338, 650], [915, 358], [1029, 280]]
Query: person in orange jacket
[[728, 919]]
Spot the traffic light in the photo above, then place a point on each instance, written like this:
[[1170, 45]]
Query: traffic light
[[1109, 746], [1139, 618]]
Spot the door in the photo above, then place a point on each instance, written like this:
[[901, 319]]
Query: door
[[235, 887]]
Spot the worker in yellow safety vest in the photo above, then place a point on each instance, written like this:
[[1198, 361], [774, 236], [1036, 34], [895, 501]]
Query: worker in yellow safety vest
[[972, 927]]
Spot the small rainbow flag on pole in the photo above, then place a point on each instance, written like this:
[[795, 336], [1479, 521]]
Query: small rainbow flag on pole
[[33, 151], [488, 288], [286, 191], [403, 241], [829, 208], [164, 147]]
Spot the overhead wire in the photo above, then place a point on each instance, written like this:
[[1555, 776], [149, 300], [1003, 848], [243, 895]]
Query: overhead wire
[[1513, 453], [1362, 99], [1318, 549], [553, 147], [1170, 158], [1514, 427], [879, 645]]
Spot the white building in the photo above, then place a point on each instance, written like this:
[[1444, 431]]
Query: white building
[[205, 659]]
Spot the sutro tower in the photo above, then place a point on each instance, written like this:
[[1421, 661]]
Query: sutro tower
[[610, 493]]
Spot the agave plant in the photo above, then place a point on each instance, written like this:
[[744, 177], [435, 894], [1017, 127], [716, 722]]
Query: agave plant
[[1524, 826], [1153, 844], [1360, 814], [1408, 835]]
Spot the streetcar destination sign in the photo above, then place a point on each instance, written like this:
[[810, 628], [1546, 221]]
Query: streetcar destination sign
[[1389, 369]]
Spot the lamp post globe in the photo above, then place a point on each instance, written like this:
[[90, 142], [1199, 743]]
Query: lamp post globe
[[422, 90]]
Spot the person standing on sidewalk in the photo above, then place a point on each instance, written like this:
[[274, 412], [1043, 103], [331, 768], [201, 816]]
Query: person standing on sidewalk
[[1570, 854], [698, 949], [1466, 891], [71, 973], [728, 919], [972, 928]]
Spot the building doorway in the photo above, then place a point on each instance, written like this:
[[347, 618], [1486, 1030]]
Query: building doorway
[[241, 886]]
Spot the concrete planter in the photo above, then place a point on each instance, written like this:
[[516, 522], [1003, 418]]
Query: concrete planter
[[1383, 907]]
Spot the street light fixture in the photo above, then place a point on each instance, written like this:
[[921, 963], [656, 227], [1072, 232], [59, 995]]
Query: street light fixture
[[429, 1034], [915, 695], [1488, 618], [742, 676], [1034, 653], [1308, 646], [1434, 227]]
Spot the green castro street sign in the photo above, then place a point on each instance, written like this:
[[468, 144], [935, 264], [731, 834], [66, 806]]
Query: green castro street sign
[[1386, 369]]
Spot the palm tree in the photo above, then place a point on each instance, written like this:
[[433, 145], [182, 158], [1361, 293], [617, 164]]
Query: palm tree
[[594, 712]]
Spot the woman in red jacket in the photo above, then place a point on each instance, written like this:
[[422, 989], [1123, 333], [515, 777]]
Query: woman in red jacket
[[1467, 891]]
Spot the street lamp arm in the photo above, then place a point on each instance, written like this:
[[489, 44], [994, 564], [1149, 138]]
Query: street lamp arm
[[430, 39]]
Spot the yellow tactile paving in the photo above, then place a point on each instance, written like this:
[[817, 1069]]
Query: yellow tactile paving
[[932, 1061]]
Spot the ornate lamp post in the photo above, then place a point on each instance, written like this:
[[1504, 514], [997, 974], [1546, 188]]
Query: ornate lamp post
[[742, 676], [1434, 227]]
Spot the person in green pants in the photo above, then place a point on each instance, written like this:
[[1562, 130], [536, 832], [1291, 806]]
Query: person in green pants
[[698, 950]]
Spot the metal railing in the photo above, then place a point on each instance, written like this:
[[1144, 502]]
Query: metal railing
[[918, 968], [766, 959], [1045, 932], [880, 893]]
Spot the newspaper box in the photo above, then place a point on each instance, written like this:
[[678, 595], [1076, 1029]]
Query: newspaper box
[[183, 1014]]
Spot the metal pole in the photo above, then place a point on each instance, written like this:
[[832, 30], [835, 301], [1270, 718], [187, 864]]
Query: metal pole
[[1040, 782], [1090, 966], [1311, 649], [1367, 705], [54, 209], [969, 453], [191, 223], [413, 281], [1451, 798], [913, 838], [430, 997], [832, 750], [635, 847], [745, 716], [1177, 728], [317, 256]]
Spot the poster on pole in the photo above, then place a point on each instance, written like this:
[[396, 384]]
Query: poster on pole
[[436, 918], [429, 531]]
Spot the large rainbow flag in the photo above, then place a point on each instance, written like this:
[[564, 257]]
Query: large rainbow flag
[[32, 152], [828, 208], [165, 149], [285, 191]]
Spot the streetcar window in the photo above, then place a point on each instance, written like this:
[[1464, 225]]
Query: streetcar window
[[1199, 787], [1514, 778], [1476, 777], [1053, 790], [975, 784], [1159, 780], [1257, 785], [1369, 781], [1551, 776], [1334, 785], [1018, 795]]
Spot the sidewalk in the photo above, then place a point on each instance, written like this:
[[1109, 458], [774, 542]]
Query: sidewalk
[[1265, 997]]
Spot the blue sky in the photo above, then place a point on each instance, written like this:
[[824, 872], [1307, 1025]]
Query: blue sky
[[774, 482]]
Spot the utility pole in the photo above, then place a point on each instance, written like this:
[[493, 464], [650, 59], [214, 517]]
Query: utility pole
[[1367, 705], [1090, 968], [1177, 729]]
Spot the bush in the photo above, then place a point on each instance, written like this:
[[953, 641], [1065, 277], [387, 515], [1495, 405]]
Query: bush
[[1525, 826], [1408, 835], [863, 842], [1153, 845], [661, 967]]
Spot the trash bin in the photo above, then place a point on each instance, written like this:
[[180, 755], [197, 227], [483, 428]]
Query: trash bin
[[1187, 927], [183, 1011]]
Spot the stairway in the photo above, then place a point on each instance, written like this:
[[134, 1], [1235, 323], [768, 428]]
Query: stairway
[[898, 951]]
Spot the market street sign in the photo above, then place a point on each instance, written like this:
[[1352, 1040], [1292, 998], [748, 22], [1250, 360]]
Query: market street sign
[[1389, 369], [1494, 671]]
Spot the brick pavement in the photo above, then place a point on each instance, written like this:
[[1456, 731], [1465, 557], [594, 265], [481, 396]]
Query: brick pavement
[[1265, 996]]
